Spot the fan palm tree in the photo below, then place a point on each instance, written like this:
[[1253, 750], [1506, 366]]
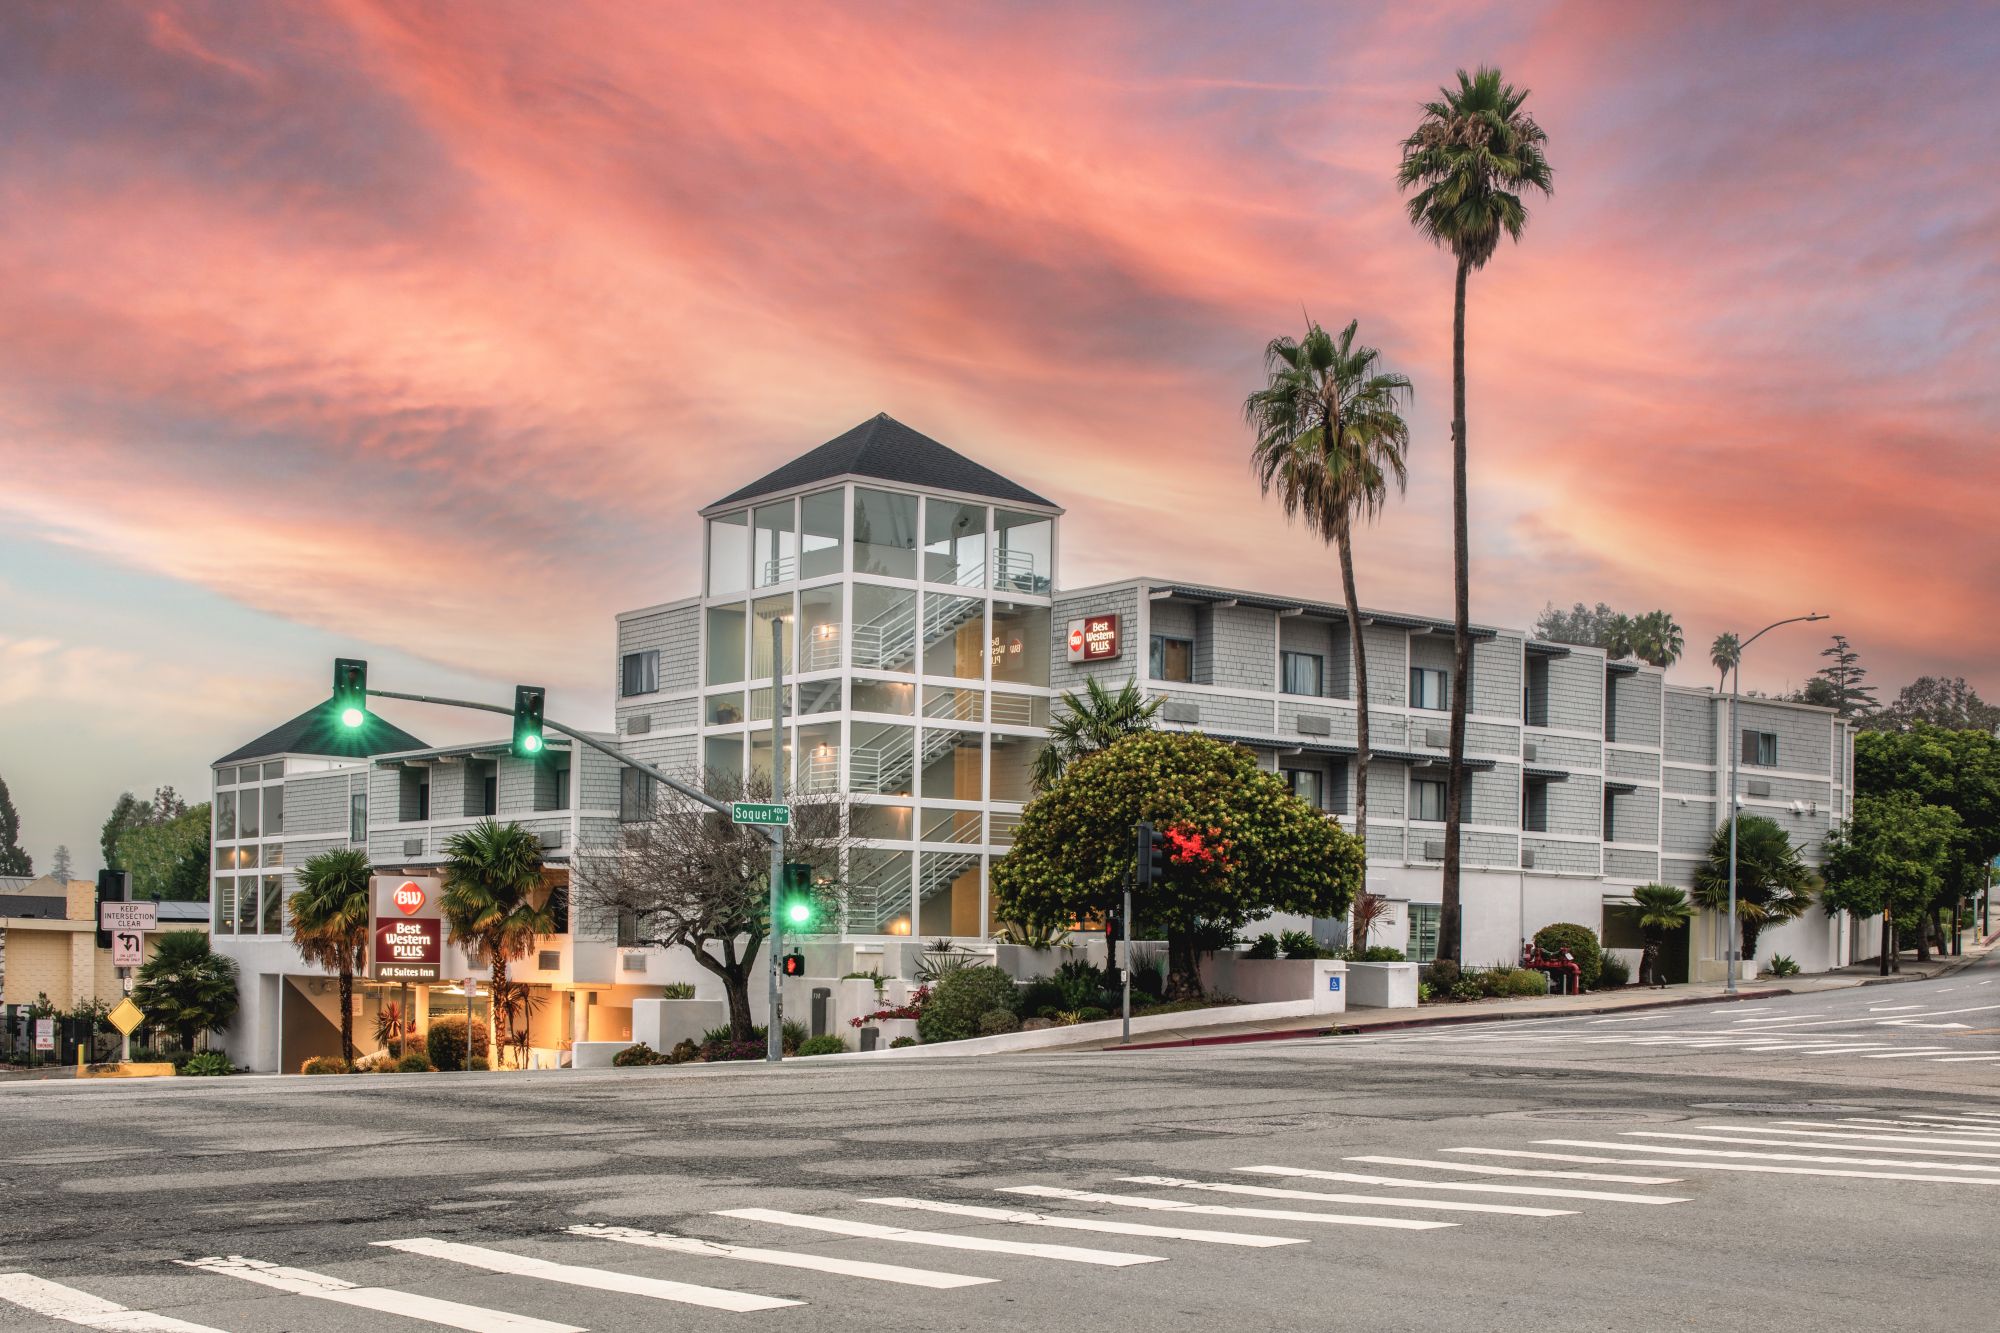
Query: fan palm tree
[[495, 900], [1090, 722], [1620, 637], [1723, 655], [1657, 639], [1773, 884], [1472, 157], [1330, 440], [1662, 908], [186, 985], [330, 923]]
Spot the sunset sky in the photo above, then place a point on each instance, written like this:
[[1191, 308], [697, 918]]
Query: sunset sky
[[417, 332]]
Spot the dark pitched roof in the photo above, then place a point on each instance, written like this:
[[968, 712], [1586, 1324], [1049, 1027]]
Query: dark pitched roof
[[318, 731], [885, 448]]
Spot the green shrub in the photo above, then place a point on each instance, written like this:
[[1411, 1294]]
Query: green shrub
[[326, 1064], [717, 1052], [684, 1050], [1376, 953], [1781, 966], [1299, 944], [1424, 993], [1040, 996], [827, 1045], [1443, 975], [477, 1063], [677, 990], [1149, 980], [1092, 1013], [1264, 946], [794, 1033], [205, 1064], [996, 1021], [1467, 988], [415, 1063], [1613, 970], [638, 1053], [446, 1041], [1579, 940], [901, 1042], [959, 999], [1520, 981]]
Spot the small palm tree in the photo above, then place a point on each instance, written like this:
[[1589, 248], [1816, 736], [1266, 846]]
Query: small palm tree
[[1620, 637], [1472, 157], [330, 923], [187, 986], [494, 900], [1330, 440], [1662, 908], [1773, 884], [1089, 723], [1657, 639], [1723, 655]]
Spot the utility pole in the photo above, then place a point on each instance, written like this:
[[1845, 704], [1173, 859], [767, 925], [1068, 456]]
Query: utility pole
[[774, 1034]]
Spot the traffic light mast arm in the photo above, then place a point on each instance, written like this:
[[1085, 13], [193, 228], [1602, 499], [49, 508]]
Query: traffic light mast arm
[[692, 793]]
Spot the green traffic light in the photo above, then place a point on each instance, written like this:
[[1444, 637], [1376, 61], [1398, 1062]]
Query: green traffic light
[[352, 717], [799, 913], [531, 743]]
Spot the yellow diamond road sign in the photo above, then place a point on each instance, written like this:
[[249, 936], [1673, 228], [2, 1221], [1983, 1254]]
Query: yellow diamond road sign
[[126, 1016]]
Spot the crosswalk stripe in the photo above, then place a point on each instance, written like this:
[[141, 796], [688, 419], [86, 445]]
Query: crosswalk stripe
[[1243, 1238], [1792, 1143], [941, 1239], [1374, 1200], [1852, 1047], [1401, 1182], [1850, 1134], [1224, 1210], [1964, 1059], [579, 1275], [1967, 1118], [1918, 1053], [52, 1300], [384, 1300], [818, 1263], [1910, 1126], [1604, 1176], [1757, 1168], [1762, 1156]]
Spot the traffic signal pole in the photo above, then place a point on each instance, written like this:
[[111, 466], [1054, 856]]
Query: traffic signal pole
[[1125, 963], [774, 1027]]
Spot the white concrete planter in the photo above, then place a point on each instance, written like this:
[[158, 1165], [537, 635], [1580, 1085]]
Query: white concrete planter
[[1319, 981], [595, 1054], [663, 1023], [1382, 985]]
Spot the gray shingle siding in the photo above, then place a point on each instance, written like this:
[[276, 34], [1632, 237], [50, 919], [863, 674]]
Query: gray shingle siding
[[1229, 714], [1688, 826], [1112, 672], [1496, 676], [316, 804], [1690, 728], [1575, 807], [675, 635], [1566, 752], [1804, 737], [1561, 858], [1623, 863], [1688, 781], [1631, 764], [1637, 720], [1635, 817], [1576, 692], [1243, 648], [1304, 634], [1340, 722], [1495, 797]]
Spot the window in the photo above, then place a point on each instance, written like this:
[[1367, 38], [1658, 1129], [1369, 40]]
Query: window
[[726, 626], [1171, 659], [274, 904], [635, 796], [885, 533], [722, 756], [765, 614], [1307, 784], [1535, 693], [224, 906], [819, 629], [954, 627], [1535, 807], [489, 792], [1302, 673], [423, 797], [562, 787], [774, 556], [274, 769], [357, 817], [1427, 800], [225, 815], [1429, 688], [954, 542], [642, 672], [1760, 748], [728, 554], [1020, 643], [1024, 551], [1423, 946], [820, 519], [274, 811]]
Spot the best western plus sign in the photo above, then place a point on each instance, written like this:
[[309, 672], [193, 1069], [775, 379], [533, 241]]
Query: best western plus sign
[[1093, 638], [407, 946]]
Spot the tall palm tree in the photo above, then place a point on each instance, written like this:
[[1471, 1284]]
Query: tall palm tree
[[1657, 639], [1620, 637], [1773, 884], [496, 901], [1723, 655], [1662, 908], [1090, 723], [1330, 440], [1472, 156], [330, 923]]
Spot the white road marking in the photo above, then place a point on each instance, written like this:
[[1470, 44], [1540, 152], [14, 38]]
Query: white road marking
[[817, 1263], [1912, 1125], [1224, 1210], [1517, 1171], [1963, 1059], [1762, 1156], [1374, 1200], [1846, 1050], [1399, 1182], [580, 1275], [52, 1300], [1918, 1053], [384, 1300], [1793, 1143], [1945, 1122], [1882, 1008], [1683, 1164], [1848, 1133], [1243, 1238], [941, 1239]]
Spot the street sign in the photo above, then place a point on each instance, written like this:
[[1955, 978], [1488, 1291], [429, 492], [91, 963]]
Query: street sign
[[128, 948], [128, 916], [407, 935], [754, 812], [126, 1016], [45, 1034], [1332, 984]]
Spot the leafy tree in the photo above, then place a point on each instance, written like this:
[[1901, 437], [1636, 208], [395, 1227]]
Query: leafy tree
[[60, 865], [1331, 440], [1474, 153], [689, 876], [1819, 692], [330, 919], [168, 856], [1652, 637], [1085, 725], [186, 985], [130, 813], [1940, 702], [1662, 908], [1243, 846], [1959, 770], [1723, 655], [13, 860], [1844, 674], [496, 900], [1773, 884], [1580, 624], [1891, 858]]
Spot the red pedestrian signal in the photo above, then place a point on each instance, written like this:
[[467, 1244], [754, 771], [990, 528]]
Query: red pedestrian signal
[[795, 964]]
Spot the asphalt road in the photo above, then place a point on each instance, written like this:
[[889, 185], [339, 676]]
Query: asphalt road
[[1512, 1177]]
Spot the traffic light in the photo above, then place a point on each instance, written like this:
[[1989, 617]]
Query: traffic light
[[528, 720], [1152, 856], [795, 898], [1114, 930], [350, 691], [795, 964]]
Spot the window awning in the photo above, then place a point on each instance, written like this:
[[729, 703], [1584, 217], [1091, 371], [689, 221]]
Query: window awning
[[1544, 648], [1535, 774], [1414, 758], [1327, 610]]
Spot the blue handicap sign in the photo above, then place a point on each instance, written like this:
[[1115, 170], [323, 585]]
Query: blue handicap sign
[[1333, 983]]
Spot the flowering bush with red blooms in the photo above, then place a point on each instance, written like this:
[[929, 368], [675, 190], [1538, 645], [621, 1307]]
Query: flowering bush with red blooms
[[914, 1009], [1192, 848]]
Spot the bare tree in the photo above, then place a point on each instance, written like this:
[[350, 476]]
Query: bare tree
[[688, 876]]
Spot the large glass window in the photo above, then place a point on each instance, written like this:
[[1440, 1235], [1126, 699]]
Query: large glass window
[[951, 762], [819, 696], [948, 893], [225, 815], [1427, 800], [247, 805], [882, 759], [1020, 647], [878, 901], [954, 629], [357, 816], [888, 823], [883, 635], [1303, 673], [274, 904], [1423, 945], [955, 704], [819, 757], [725, 644], [224, 906], [723, 758], [954, 543], [760, 703], [774, 551], [1009, 762], [885, 533], [641, 673], [766, 612], [1171, 659], [274, 811], [729, 554], [820, 519], [760, 761], [1023, 551], [1019, 710], [246, 905], [723, 710], [820, 646], [896, 697]]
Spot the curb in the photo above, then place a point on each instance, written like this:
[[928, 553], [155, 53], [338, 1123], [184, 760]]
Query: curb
[[1446, 1020]]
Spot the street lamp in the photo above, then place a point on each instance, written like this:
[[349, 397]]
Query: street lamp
[[1729, 927]]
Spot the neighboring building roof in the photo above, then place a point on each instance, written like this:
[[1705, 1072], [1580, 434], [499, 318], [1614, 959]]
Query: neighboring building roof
[[34, 907], [318, 731], [884, 448], [1329, 610], [180, 911]]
